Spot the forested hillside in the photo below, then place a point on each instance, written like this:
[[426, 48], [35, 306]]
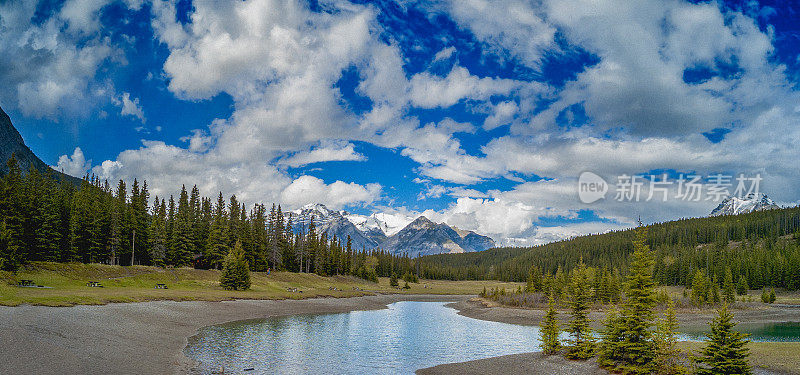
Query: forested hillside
[[43, 219], [761, 246]]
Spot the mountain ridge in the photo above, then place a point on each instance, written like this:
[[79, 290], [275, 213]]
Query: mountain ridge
[[752, 202], [419, 237], [11, 143]]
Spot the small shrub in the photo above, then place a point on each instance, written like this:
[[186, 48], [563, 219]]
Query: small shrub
[[768, 296]]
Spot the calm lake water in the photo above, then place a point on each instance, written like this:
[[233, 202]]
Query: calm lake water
[[399, 340], [789, 331]]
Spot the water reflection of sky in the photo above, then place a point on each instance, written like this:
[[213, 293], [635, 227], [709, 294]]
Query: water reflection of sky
[[398, 340]]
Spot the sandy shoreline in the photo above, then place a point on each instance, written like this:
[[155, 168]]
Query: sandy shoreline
[[149, 337], [524, 363], [141, 338]]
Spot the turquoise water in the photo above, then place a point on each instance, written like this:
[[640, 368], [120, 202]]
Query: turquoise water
[[788, 331], [399, 340]]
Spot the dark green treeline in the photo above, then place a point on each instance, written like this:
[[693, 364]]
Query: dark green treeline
[[43, 219], [760, 247]]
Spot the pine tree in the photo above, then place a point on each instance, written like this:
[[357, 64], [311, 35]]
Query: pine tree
[[549, 328], [158, 233], [715, 298], [288, 259], [728, 289], [48, 234], [741, 286], [311, 244], [726, 352], [277, 240], [217, 245], [700, 288], [235, 273], [11, 208], [171, 219], [534, 283], [393, 280], [234, 215], [183, 244], [636, 348], [581, 342], [609, 352], [667, 355]]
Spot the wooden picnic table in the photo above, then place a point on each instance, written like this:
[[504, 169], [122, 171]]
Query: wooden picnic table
[[94, 284], [161, 286]]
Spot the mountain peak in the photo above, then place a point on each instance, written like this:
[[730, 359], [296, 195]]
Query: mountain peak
[[11, 142], [317, 209], [421, 222], [750, 203]]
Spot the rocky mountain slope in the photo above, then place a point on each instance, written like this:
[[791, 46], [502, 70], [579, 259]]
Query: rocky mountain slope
[[420, 237], [332, 223], [750, 203], [11, 142]]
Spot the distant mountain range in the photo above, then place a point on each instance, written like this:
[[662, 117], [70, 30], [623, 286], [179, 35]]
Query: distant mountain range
[[750, 203], [11, 143], [419, 237]]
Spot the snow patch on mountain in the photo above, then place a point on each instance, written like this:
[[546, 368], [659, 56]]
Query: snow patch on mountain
[[750, 203], [394, 232]]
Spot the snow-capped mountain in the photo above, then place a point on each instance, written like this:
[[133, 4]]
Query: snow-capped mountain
[[388, 224], [424, 237], [331, 222], [396, 233], [750, 203]]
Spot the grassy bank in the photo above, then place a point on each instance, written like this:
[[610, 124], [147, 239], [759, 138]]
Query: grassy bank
[[777, 356], [67, 285]]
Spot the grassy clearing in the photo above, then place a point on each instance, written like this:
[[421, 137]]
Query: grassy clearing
[[67, 284], [777, 356]]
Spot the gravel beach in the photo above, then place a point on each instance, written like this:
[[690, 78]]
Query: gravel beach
[[141, 338], [149, 337], [525, 363]]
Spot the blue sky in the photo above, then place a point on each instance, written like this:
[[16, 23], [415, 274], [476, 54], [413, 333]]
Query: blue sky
[[481, 114]]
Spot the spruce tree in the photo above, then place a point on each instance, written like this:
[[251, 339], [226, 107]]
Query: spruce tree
[[158, 233], [667, 355], [549, 328], [581, 341], [183, 244], [288, 259], [715, 297], [12, 217], [636, 348], [534, 283], [235, 273], [728, 289], [726, 352], [700, 288], [741, 286], [609, 353], [217, 245]]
